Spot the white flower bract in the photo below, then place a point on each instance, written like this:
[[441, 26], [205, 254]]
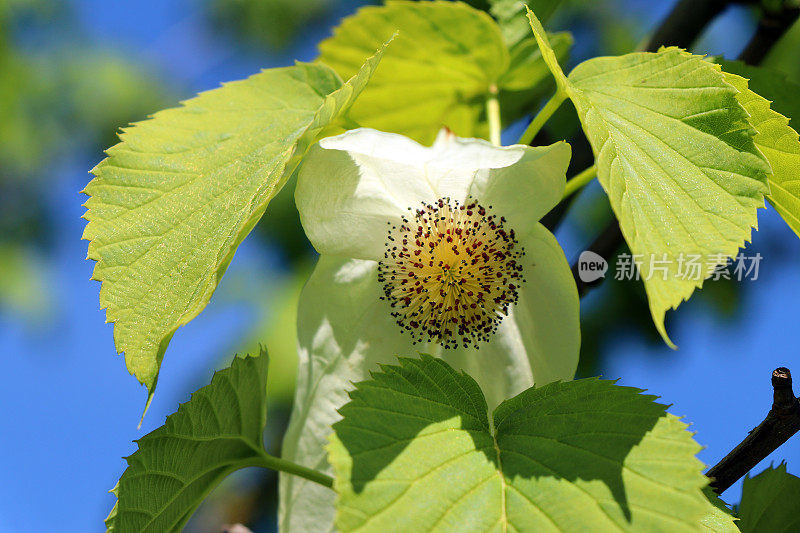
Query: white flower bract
[[424, 249]]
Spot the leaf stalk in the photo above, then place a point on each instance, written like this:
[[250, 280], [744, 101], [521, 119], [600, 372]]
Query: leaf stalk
[[579, 180], [543, 116], [493, 115], [276, 463]]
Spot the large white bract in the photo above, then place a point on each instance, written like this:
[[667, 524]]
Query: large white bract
[[424, 249]]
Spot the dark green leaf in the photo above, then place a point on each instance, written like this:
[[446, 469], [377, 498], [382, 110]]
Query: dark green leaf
[[219, 430]]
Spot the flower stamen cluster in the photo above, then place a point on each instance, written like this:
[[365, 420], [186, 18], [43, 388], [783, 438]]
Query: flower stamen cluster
[[451, 272]]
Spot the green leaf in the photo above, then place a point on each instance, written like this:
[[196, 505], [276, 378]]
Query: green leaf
[[416, 451], [770, 502], [548, 53], [675, 153], [719, 518], [219, 430], [446, 60], [526, 61], [771, 84], [779, 144], [172, 201]]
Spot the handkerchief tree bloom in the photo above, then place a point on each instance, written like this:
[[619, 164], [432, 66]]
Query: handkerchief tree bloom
[[437, 250], [438, 334]]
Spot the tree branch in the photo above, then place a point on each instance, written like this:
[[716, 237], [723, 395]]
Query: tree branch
[[782, 421], [771, 27], [685, 23], [604, 245]]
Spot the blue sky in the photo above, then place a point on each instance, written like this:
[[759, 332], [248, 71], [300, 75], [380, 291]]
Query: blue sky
[[72, 409]]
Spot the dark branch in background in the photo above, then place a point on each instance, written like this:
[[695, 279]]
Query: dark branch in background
[[771, 27], [681, 27], [782, 421], [685, 23], [604, 245]]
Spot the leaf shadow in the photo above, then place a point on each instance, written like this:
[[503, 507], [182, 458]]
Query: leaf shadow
[[580, 430]]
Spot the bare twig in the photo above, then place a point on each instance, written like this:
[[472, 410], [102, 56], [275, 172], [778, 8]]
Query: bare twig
[[782, 421]]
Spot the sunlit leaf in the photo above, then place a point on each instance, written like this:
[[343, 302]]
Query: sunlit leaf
[[174, 199], [511, 16], [548, 53], [771, 84], [675, 153], [417, 451], [446, 60], [778, 142]]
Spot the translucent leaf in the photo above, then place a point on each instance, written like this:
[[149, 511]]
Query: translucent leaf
[[779, 144], [548, 53], [172, 201], [219, 430], [446, 60], [770, 502], [417, 451], [771, 84], [675, 153], [527, 64]]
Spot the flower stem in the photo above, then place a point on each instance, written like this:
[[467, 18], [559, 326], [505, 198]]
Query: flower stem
[[581, 179], [275, 463], [493, 114], [540, 119]]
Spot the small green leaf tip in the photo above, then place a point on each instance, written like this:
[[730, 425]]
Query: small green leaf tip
[[547, 51]]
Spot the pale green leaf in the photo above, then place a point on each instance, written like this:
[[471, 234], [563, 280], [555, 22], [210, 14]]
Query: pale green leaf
[[219, 430], [675, 153], [771, 84], [446, 60], [548, 53], [770, 502], [526, 59], [417, 451], [172, 201], [779, 144]]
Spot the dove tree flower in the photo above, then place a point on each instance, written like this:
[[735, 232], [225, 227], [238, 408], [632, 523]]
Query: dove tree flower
[[424, 249]]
